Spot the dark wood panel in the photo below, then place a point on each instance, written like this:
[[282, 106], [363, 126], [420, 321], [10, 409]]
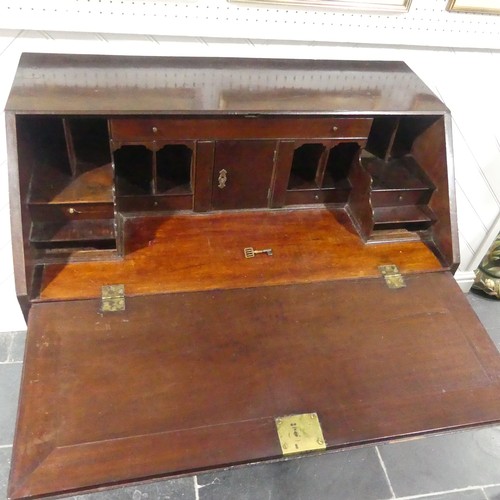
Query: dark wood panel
[[360, 205], [204, 165], [192, 381], [253, 127], [281, 173], [247, 167], [431, 151], [184, 252], [216, 85], [20, 161]]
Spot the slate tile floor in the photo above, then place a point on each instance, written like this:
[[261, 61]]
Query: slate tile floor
[[453, 466]]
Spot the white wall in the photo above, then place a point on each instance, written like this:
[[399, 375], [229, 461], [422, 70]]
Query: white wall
[[466, 80]]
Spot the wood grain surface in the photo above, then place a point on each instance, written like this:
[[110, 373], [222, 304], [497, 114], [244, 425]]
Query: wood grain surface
[[191, 381], [205, 252], [216, 85]]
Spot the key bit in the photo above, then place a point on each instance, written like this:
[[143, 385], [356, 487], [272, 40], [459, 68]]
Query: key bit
[[251, 252]]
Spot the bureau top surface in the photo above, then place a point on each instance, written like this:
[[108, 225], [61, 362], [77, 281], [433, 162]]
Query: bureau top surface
[[84, 84]]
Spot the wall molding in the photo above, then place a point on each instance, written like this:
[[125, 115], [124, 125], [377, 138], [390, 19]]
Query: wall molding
[[426, 24], [465, 280]]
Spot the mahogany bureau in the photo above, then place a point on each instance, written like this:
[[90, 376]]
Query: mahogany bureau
[[223, 261]]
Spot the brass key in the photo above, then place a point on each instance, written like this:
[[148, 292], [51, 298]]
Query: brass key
[[250, 252]]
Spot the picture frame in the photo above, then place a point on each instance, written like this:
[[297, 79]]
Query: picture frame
[[474, 6], [346, 5]]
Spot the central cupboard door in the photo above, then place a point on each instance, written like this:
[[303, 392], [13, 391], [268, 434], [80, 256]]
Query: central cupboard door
[[242, 174]]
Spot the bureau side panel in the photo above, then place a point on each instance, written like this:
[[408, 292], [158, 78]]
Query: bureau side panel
[[19, 166], [433, 151]]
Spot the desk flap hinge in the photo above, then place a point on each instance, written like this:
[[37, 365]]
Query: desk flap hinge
[[113, 298], [392, 276]]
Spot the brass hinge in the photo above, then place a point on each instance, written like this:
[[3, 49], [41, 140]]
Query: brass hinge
[[300, 433], [392, 276], [113, 298]]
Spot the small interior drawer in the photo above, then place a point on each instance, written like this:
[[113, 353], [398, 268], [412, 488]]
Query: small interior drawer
[[312, 196], [71, 211], [249, 127], [392, 198], [398, 182], [136, 129], [156, 203]]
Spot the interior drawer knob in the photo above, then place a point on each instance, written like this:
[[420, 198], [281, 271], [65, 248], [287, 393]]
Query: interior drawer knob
[[154, 129], [72, 211], [335, 128]]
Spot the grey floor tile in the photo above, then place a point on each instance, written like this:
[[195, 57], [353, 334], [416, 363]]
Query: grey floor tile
[[439, 463], [173, 489], [10, 379], [495, 335], [17, 347], [487, 308], [475, 494], [350, 475], [5, 454], [492, 493]]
